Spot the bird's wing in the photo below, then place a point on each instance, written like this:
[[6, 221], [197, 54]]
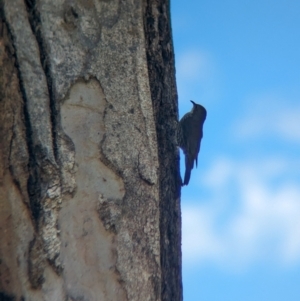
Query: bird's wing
[[186, 124], [199, 138]]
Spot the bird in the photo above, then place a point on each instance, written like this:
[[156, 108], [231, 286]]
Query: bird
[[190, 133]]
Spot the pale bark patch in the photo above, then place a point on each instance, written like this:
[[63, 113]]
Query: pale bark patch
[[88, 250]]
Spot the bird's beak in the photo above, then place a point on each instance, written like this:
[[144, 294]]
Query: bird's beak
[[193, 103]]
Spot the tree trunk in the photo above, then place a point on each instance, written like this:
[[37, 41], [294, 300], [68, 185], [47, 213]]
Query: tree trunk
[[89, 173]]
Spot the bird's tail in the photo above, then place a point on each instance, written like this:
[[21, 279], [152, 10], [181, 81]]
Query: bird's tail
[[187, 176], [189, 164]]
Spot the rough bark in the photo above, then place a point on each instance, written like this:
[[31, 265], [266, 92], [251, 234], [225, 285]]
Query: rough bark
[[89, 176]]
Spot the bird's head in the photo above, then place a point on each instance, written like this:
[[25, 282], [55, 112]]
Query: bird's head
[[197, 107]]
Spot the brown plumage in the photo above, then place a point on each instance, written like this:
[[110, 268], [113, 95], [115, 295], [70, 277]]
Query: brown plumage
[[190, 133]]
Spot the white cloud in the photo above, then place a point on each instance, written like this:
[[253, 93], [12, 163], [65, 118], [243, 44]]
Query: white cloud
[[265, 222], [197, 238], [270, 114]]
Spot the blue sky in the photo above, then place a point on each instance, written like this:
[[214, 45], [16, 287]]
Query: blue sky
[[241, 210]]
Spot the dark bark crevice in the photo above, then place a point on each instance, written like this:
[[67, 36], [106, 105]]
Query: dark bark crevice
[[6, 297], [33, 184], [160, 58], [43, 184], [35, 23]]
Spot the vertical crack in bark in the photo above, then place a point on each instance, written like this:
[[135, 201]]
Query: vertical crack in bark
[[160, 57], [44, 185], [28, 131], [35, 23]]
